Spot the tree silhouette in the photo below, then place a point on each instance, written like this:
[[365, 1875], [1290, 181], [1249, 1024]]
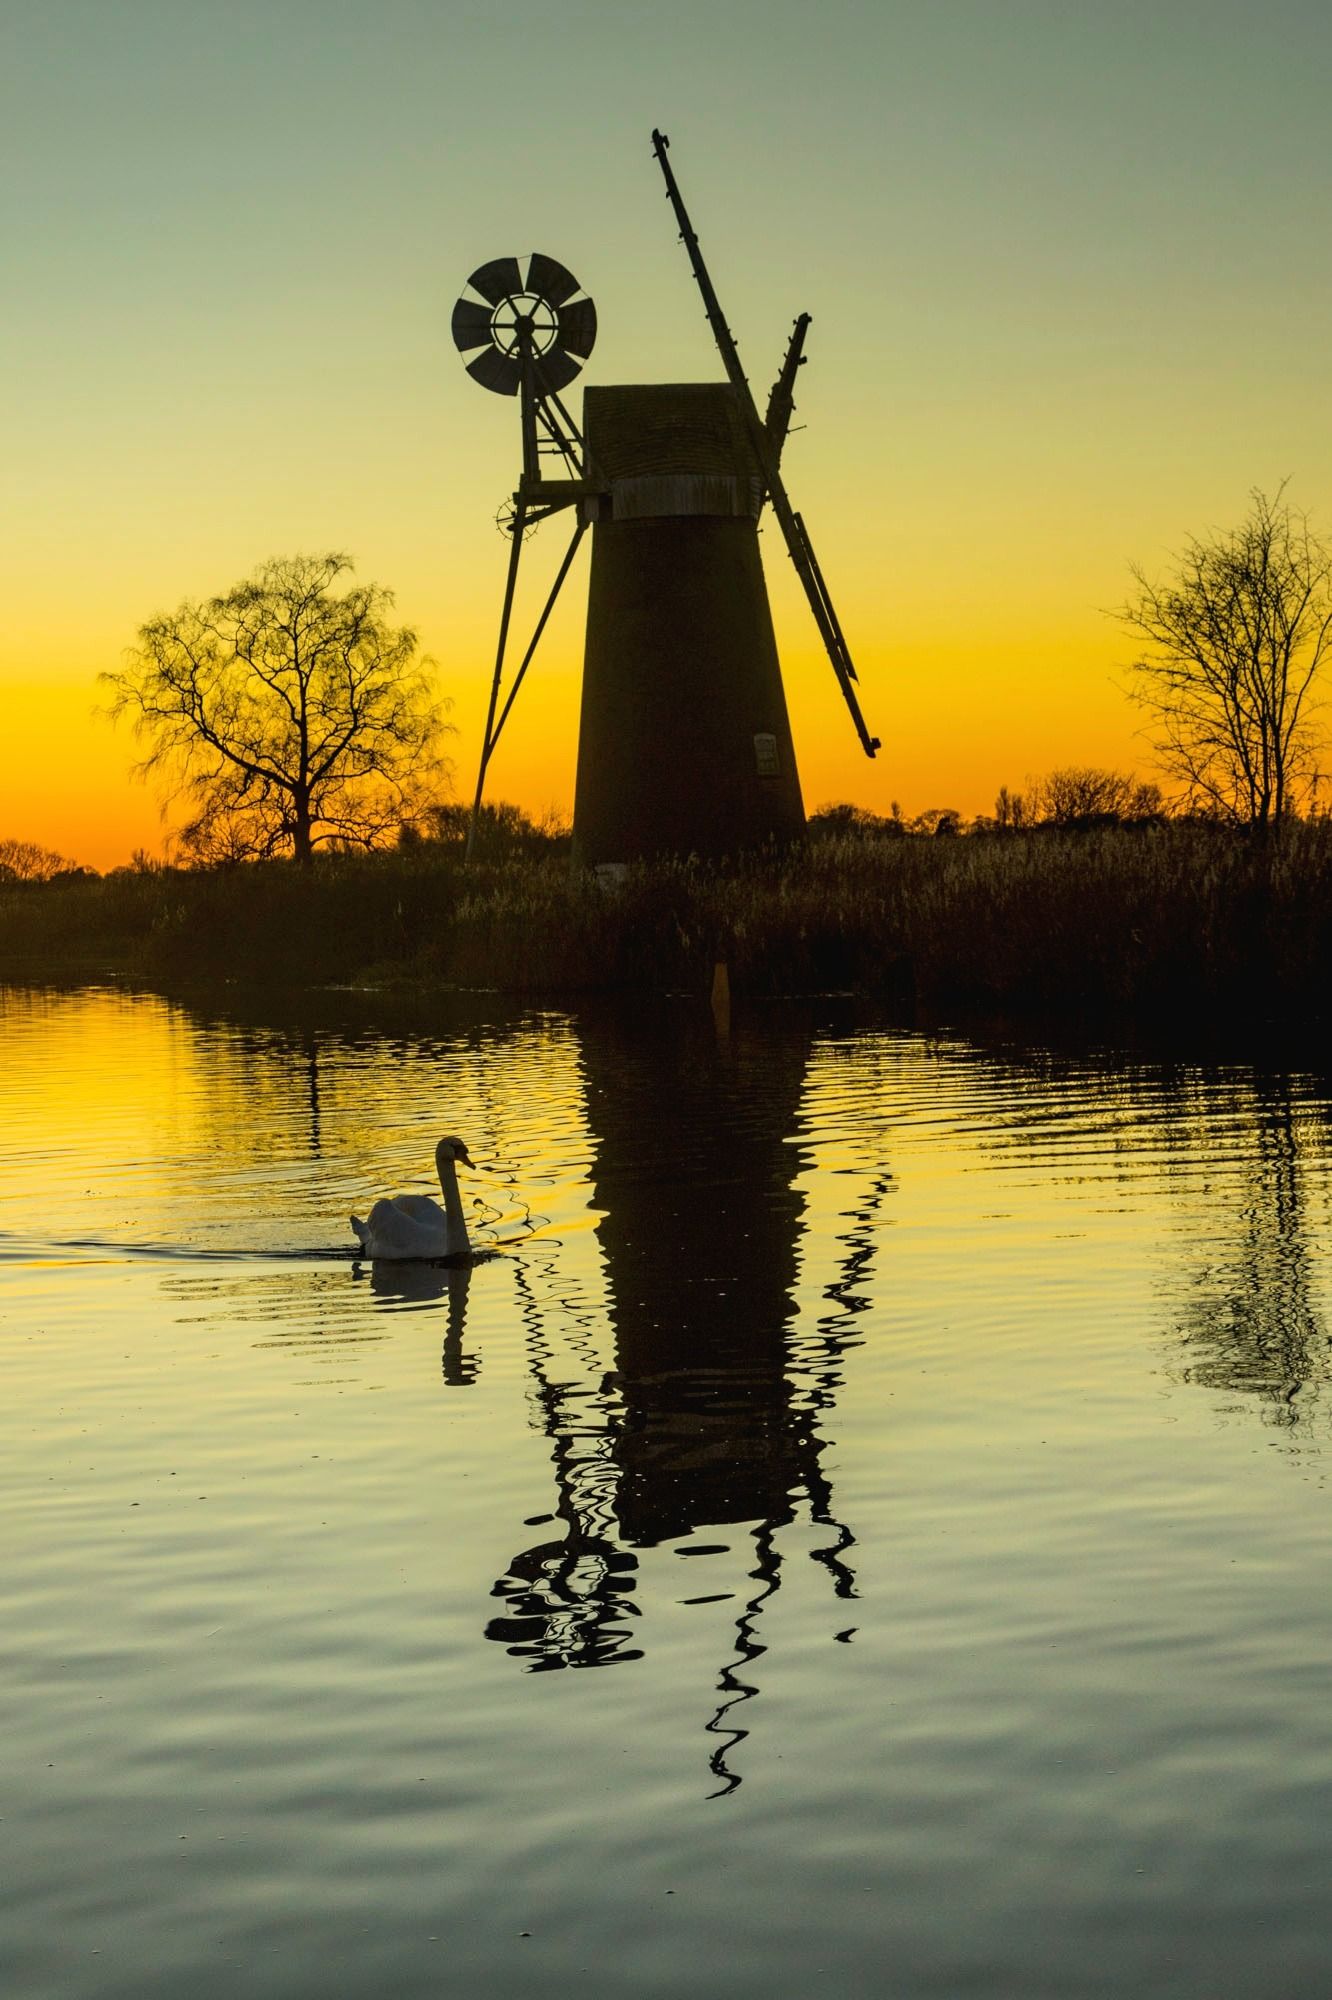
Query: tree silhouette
[[25, 861], [285, 714], [1077, 795], [1233, 642]]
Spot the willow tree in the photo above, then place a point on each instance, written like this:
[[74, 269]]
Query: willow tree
[[286, 714], [1233, 643]]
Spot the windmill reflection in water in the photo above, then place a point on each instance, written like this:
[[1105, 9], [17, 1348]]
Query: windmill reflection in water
[[710, 1415]]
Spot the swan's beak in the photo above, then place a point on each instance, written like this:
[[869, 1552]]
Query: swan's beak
[[460, 1152]]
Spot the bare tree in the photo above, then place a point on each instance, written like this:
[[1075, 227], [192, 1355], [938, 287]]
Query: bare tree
[[1012, 810], [1233, 643], [502, 830], [25, 861], [285, 714], [838, 821], [936, 820], [1077, 795], [1080, 794]]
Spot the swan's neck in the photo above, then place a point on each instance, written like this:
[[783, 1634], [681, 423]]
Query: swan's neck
[[453, 1208]]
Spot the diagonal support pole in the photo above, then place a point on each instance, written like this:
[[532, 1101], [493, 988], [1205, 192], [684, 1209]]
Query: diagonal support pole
[[555, 589], [488, 740]]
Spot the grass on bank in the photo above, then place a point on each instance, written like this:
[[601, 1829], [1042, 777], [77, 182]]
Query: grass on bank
[[1159, 918]]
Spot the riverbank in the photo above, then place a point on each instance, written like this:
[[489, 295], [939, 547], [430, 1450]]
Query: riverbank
[[1162, 920]]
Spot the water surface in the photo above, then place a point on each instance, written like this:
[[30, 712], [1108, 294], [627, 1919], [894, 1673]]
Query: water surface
[[865, 1529]]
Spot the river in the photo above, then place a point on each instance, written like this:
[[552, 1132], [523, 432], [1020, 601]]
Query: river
[[863, 1528]]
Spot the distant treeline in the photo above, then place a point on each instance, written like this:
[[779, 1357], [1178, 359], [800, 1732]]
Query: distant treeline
[[1160, 919], [1077, 796]]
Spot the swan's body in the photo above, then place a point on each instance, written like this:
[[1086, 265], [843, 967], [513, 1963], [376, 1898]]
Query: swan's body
[[414, 1225]]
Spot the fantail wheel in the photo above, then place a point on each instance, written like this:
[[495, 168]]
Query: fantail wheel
[[533, 316]]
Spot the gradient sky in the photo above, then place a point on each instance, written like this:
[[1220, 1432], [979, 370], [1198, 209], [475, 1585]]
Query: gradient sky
[[1066, 265]]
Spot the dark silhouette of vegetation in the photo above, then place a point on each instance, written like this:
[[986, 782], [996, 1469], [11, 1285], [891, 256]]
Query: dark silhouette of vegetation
[[286, 715], [1233, 643], [836, 822], [937, 821], [842, 822], [1188, 920], [1249, 1311], [25, 861], [1076, 796], [503, 831]]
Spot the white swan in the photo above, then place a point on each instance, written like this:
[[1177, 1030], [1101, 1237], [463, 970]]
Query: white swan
[[414, 1225]]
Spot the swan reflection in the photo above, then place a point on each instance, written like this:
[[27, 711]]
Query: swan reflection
[[423, 1287]]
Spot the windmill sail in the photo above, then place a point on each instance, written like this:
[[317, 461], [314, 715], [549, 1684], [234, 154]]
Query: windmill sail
[[798, 543]]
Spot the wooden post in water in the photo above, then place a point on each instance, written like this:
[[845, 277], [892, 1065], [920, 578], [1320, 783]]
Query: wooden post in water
[[721, 997]]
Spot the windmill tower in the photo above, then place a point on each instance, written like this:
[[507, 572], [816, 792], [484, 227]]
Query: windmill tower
[[684, 740]]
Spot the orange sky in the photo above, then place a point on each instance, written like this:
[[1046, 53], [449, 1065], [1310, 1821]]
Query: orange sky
[[1064, 314]]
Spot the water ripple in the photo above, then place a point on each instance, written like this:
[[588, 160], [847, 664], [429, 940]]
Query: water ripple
[[933, 1439]]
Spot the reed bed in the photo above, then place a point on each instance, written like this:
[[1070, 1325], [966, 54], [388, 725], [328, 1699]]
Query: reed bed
[[1157, 919]]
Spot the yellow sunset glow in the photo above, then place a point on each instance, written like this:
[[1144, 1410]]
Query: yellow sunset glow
[[1063, 316]]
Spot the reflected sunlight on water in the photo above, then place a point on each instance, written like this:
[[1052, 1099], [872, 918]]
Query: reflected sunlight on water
[[932, 1439]]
